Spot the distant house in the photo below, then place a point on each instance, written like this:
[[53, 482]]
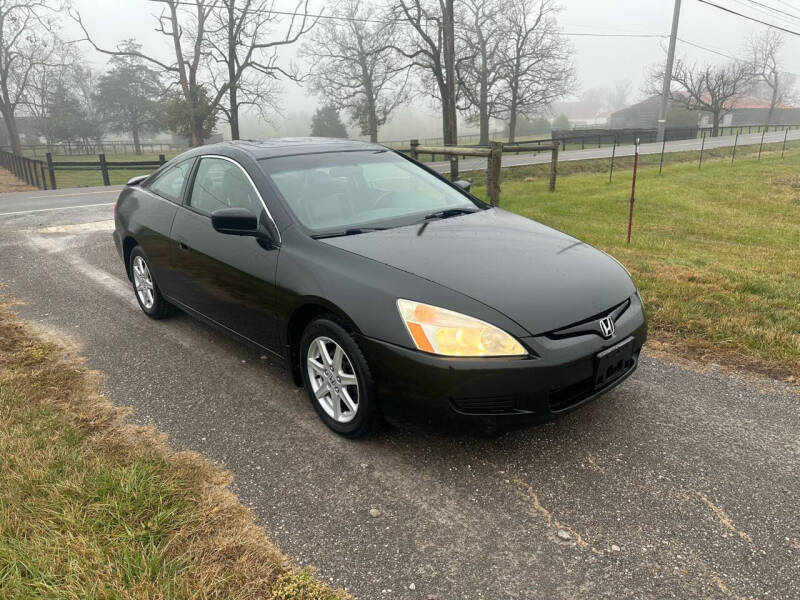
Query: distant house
[[644, 115], [754, 111]]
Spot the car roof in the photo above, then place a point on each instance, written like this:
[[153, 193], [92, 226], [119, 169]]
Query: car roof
[[288, 146]]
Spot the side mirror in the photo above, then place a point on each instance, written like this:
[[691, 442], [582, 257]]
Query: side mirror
[[235, 221], [137, 180], [464, 184]]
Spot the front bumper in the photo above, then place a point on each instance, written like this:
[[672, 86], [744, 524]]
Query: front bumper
[[498, 393]]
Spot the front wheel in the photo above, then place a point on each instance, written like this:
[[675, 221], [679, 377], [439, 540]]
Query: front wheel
[[337, 379]]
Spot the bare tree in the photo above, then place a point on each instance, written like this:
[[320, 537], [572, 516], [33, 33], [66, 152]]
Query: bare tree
[[27, 42], [354, 66], [765, 53], [480, 69], [537, 62], [711, 88], [185, 25], [242, 41], [429, 45]]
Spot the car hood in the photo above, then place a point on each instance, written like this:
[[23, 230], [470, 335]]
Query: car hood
[[539, 277]]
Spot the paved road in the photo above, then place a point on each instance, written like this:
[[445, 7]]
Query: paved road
[[678, 485], [514, 160]]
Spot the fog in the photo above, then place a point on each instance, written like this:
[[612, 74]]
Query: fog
[[600, 61]]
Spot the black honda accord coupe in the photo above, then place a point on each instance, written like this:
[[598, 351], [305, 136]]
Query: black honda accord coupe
[[386, 289]]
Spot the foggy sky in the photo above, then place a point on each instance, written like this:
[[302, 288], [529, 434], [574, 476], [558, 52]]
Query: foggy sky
[[599, 61]]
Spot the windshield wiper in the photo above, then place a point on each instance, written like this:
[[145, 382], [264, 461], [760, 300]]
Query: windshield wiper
[[449, 212], [351, 231]]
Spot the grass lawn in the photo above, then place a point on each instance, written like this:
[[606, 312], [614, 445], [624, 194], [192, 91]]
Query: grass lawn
[[92, 507], [715, 252]]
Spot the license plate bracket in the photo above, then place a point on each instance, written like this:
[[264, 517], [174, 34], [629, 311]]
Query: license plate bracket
[[612, 363]]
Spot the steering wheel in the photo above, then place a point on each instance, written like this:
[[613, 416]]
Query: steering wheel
[[379, 201]]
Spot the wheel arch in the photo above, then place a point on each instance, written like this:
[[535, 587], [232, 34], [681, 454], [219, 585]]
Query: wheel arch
[[128, 244], [300, 317]]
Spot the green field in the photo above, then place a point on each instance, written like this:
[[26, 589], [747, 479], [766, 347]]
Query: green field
[[715, 252]]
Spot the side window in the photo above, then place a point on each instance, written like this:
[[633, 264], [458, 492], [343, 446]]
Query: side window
[[170, 183], [222, 184]]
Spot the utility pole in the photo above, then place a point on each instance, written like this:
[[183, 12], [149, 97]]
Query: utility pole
[[662, 111], [448, 31]]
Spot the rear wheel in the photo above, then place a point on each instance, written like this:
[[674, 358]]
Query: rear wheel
[[147, 293], [337, 379]]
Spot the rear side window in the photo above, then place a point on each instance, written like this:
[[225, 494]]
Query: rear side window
[[220, 183], [170, 183]]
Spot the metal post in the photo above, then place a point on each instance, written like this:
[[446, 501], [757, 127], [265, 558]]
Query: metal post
[[763, 133], [735, 141], [665, 86], [663, 146], [554, 168], [633, 190], [52, 170], [493, 168], [613, 154], [702, 148], [786, 135]]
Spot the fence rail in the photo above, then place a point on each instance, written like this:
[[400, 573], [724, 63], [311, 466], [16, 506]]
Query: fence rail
[[29, 170], [93, 148], [103, 165]]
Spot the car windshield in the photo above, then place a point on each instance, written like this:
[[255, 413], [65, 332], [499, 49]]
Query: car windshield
[[337, 192]]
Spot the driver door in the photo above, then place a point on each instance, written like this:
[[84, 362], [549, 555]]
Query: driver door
[[228, 279]]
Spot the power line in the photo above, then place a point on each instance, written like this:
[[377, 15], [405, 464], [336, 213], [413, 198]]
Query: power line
[[369, 20], [774, 10], [749, 18]]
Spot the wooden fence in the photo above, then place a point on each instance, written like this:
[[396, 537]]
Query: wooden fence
[[102, 164], [29, 170], [494, 159]]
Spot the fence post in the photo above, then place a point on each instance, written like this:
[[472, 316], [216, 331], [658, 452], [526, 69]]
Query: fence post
[[553, 168], [633, 189], [414, 153], [104, 169], [786, 135], [52, 170], [735, 141], [161, 159], [663, 147], [35, 168], [763, 133], [44, 176], [493, 168], [613, 155], [702, 148]]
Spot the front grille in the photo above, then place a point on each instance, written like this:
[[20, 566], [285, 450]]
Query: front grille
[[497, 405], [590, 325]]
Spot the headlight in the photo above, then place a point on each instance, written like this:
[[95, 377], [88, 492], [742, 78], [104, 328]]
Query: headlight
[[442, 331]]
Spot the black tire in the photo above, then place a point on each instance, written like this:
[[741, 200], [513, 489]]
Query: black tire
[[160, 308], [367, 416]]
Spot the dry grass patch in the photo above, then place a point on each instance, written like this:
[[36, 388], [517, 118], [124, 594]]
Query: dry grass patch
[[9, 183], [92, 506]]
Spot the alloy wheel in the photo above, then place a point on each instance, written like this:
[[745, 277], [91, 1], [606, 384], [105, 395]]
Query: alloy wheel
[[143, 282], [333, 379]]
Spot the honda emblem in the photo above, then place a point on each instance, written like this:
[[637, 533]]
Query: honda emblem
[[607, 327]]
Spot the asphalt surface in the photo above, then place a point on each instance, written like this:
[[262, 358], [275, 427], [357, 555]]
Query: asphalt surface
[[516, 160], [679, 484]]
